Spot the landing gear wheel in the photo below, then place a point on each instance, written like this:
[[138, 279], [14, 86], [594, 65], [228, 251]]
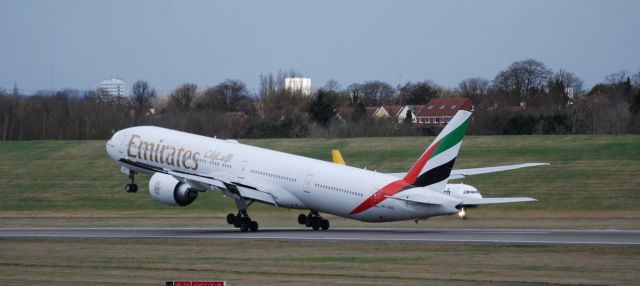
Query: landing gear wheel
[[302, 219], [253, 226], [241, 219], [315, 224], [131, 188], [314, 221], [231, 218], [324, 224]]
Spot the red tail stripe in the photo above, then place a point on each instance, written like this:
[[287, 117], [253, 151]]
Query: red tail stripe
[[414, 172], [381, 195], [395, 186]]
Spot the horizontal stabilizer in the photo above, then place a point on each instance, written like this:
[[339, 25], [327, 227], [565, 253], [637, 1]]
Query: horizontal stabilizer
[[489, 201], [462, 173]]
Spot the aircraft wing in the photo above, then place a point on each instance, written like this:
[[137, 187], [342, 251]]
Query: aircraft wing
[[463, 173], [489, 201], [219, 181], [229, 186]]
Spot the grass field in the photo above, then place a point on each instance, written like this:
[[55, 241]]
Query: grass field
[[592, 183], [151, 262], [591, 178]]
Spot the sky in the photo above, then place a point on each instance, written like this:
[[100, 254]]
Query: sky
[[76, 44]]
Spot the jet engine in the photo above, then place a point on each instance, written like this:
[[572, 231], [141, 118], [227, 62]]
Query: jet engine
[[167, 190]]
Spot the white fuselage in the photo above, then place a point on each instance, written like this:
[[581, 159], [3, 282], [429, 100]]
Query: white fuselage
[[293, 181]]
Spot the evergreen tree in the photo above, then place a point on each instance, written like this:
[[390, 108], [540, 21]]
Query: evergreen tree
[[323, 107]]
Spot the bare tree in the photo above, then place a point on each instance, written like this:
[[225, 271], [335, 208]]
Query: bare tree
[[473, 88], [212, 99], [636, 79], [283, 112], [235, 92], [523, 79], [417, 93], [230, 95], [374, 93], [182, 97], [563, 87], [617, 78], [270, 84], [332, 85], [141, 95]]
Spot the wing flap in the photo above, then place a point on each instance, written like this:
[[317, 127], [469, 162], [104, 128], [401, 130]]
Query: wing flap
[[256, 195], [198, 180]]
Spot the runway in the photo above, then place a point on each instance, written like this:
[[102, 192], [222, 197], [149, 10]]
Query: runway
[[480, 236]]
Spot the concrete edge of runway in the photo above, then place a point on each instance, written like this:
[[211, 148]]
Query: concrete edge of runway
[[415, 235]]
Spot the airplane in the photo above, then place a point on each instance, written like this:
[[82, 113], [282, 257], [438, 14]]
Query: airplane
[[182, 165], [458, 190]]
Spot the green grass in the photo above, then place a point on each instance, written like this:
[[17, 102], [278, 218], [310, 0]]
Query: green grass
[[151, 262], [588, 173], [592, 183]]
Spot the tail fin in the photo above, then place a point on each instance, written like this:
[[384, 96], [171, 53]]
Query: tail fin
[[337, 157], [434, 166]]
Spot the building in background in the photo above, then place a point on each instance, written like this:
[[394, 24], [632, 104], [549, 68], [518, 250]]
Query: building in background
[[439, 111], [114, 87], [301, 84], [395, 112]]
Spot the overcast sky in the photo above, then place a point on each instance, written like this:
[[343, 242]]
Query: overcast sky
[[167, 43]]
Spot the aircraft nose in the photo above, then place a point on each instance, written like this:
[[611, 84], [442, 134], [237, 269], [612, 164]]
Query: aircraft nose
[[111, 148]]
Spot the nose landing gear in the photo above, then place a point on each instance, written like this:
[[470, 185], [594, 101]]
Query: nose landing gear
[[131, 187]]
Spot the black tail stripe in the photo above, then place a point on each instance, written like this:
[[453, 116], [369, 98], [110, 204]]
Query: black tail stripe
[[435, 175]]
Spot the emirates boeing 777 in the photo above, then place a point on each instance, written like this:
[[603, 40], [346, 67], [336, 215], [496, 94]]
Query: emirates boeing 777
[[182, 165]]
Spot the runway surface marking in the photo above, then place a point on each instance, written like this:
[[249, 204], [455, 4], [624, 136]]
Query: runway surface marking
[[486, 236]]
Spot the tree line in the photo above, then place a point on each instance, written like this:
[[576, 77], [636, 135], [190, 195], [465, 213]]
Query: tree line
[[525, 98]]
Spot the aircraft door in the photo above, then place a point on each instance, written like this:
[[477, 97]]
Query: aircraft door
[[243, 169], [308, 183]]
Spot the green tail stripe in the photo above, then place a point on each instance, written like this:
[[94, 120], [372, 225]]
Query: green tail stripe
[[452, 138]]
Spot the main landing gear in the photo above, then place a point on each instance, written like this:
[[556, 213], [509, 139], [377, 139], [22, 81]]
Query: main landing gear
[[242, 219], [314, 221], [131, 187]]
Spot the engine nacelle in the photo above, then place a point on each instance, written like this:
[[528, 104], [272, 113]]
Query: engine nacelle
[[167, 190]]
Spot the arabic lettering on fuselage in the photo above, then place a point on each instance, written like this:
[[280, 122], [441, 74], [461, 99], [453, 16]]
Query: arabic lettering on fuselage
[[218, 156]]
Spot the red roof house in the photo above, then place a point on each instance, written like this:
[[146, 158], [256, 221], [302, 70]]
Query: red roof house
[[440, 110]]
